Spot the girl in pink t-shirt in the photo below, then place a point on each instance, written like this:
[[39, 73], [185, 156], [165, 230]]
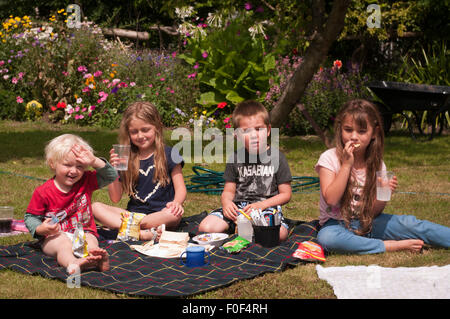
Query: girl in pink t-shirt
[[351, 217]]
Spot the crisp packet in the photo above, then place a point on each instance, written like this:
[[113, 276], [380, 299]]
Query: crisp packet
[[79, 242], [129, 229], [236, 245], [309, 251]]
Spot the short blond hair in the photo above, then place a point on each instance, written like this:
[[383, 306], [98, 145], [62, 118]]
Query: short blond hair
[[59, 147]]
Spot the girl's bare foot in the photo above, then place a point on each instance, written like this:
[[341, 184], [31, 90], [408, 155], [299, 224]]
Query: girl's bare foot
[[103, 262], [414, 245]]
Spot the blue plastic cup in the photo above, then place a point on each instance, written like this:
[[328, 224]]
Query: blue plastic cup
[[195, 257]]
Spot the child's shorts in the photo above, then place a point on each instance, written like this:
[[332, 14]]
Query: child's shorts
[[232, 225]]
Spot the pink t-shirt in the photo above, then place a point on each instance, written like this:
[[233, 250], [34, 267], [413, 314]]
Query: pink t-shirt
[[329, 160]]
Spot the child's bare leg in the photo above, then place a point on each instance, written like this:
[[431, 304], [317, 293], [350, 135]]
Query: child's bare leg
[[414, 245], [102, 261], [158, 218], [108, 216], [60, 247], [283, 233], [213, 224]]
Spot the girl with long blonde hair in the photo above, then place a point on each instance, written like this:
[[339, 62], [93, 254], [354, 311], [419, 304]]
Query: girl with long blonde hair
[[153, 181], [351, 218]]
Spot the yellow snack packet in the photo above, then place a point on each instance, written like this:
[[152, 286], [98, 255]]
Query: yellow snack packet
[[79, 242], [130, 227]]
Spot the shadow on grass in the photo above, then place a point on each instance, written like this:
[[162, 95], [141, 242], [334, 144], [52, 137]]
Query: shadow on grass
[[31, 143]]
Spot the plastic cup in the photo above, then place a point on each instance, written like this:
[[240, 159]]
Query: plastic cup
[[195, 256], [6, 218], [123, 152], [383, 189]]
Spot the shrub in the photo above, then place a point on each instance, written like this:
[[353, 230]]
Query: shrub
[[329, 89]]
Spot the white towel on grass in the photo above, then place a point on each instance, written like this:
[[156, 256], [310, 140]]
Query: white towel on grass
[[375, 282]]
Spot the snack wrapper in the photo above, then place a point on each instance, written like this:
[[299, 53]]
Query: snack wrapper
[[79, 242], [235, 245], [309, 251], [129, 229]]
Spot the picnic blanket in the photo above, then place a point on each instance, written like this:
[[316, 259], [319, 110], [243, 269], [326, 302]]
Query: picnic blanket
[[375, 282], [133, 273]]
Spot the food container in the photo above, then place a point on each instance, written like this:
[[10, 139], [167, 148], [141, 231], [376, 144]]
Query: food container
[[214, 239]]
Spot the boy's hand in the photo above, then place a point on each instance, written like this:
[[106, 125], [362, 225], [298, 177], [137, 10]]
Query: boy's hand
[[47, 228], [230, 210], [256, 205], [83, 156]]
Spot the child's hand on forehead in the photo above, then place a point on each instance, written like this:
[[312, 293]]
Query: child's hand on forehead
[[83, 155]]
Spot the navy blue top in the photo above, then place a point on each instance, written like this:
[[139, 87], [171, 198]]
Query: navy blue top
[[150, 197]]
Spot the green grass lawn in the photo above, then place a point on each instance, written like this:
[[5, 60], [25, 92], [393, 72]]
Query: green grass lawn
[[422, 168]]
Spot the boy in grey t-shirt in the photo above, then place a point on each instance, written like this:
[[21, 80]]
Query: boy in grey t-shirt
[[256, 177]]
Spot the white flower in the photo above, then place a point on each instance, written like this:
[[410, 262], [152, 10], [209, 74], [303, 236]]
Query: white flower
[[184, 12]]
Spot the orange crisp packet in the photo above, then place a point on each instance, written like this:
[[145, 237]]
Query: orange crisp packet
[[309, 251]]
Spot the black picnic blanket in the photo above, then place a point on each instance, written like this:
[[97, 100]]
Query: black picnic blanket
[[136, 274]]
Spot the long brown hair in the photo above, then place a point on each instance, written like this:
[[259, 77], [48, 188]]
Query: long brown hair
[[364, 114], [147, 112]]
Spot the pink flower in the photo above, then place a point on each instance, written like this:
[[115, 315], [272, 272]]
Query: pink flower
[[196, 66], [19, 99], [82, 68], [193, 75], [20, 75], [174, 54], [226, 120], [132, 84], [248, 6], [162, 79], [98, 73], [86, 89], [205, 54], [65, 73], [2, 62], [14, 81]]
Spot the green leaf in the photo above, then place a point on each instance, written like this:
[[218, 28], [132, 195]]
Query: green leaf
[[234, 97]]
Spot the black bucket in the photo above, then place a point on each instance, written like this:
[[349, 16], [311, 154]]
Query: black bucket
[[267, 236]]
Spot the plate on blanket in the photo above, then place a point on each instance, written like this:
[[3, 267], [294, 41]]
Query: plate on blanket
[[215, 239]]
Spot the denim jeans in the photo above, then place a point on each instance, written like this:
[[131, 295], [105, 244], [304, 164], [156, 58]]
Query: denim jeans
[[335, 237]]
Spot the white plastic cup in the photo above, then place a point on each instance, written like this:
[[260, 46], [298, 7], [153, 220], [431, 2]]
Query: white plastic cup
[[383, 189], [123, 152]]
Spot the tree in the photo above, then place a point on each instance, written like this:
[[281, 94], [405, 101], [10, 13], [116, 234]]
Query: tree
[[323, 37]]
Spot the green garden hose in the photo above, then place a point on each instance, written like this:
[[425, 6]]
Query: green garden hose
[[212, 182]]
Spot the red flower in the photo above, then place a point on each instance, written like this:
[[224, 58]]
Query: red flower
[[337, 63], [61, 105], [221, 105], [53, 108]]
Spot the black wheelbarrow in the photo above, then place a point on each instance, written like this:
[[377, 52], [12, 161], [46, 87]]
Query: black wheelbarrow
[[398, 97]]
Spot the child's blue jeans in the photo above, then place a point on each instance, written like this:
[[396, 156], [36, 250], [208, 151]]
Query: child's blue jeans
[[335, 237]]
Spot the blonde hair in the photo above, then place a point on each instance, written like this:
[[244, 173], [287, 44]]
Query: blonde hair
[[249, 108], [148, 113], [364, 114], [59, 147]]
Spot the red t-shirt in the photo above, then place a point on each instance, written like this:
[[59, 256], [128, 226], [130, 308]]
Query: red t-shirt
[[72, 207]]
